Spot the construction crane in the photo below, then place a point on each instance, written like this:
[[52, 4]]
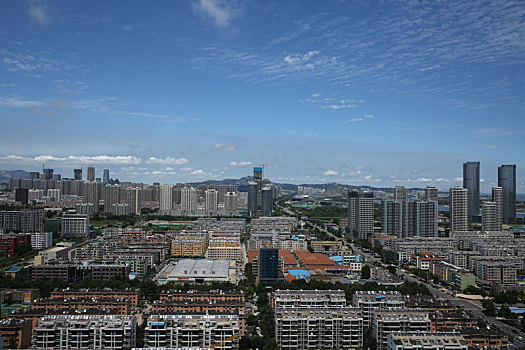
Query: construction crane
[[221, 343]]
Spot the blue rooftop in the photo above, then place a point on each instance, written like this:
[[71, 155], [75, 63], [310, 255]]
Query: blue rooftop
[[15, 269]]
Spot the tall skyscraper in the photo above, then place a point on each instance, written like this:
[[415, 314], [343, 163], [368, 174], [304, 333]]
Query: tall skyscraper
[[458, 209], [105, 177], [489, 217], [90, 194], [392, 217], [33, 175], [188, 200], [230, 201], [78, 174], [47, 174], [497, 197], [260, 200], [111, 196], [266, 201], [431, 193], [211, 202], [361, 214], [471, 183], [410, 218], [91, 173], [134, 200], [507, 182], [165, 197], [400, 193]]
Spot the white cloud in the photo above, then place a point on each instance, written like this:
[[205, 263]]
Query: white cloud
[[38, 12], [355, 173], [424, 179], [297, 58], [102, 159], [185, 169], [339, 106], [370, 116], [331, 172], [222, 12], [167, 160], [367, 178], [224, 146], [245, 163], [354, 120], [200, 172], [458, 179], [20, 103]]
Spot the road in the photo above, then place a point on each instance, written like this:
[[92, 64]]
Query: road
[[471, 306]]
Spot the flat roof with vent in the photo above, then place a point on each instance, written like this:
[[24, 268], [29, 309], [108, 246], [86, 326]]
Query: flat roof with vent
[[206, 269]]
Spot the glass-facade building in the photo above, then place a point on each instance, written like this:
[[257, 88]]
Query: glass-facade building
[[507, 182]]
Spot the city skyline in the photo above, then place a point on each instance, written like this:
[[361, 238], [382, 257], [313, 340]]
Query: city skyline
[[319, 92]]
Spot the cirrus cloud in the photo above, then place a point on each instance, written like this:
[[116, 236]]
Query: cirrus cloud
[[245, 163]]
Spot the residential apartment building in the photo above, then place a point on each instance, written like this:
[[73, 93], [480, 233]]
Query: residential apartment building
[[361, 214], [189, 244], [426, 341], [75, 226], [217, 331], [370, 301], [385, 322], [318, 328], [458, 209], [308, 298], [85, 332]]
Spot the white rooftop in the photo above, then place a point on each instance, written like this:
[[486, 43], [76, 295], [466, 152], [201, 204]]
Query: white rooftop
[[200, 268]]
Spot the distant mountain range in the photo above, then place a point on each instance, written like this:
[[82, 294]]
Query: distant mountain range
[[7, 175]]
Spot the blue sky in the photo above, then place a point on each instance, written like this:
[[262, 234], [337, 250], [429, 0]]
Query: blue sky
[[375, 93]]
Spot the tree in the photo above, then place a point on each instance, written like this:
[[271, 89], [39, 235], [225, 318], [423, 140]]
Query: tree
[[392, 269], [488, 306], [365, 272]]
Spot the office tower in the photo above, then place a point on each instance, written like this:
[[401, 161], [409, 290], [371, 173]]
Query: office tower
[[91, 173], [471, 183], [400, 193], [75, 226], [188, 200], [54, 194], [431, 193], [211, 202], [47, 174], [165, 197], [78, 174], [230, 201], [458, 209], [268, 265], [105, 177], [507, 182], [134, 200], [489, 217], [267, 201], [361, 214], [255, 194], [497, 197], [33, 175], [111, 196], [21, 195], [257, 174], [252, 198], [90, 194], [392, 217]]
